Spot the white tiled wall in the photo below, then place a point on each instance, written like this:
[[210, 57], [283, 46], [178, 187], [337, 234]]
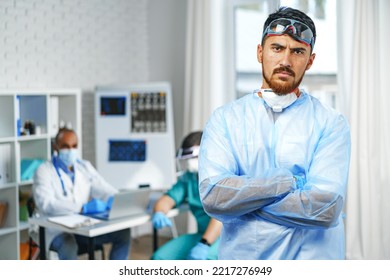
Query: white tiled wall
[[73, 43]]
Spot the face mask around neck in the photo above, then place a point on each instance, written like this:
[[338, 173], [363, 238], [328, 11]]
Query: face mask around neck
[[278, 102]]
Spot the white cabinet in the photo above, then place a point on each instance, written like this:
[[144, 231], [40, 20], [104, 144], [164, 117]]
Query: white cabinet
[[23, 147]]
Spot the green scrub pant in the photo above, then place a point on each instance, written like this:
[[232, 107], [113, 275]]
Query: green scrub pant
[[179, 248]]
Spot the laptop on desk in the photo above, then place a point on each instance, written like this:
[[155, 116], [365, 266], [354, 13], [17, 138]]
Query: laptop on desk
[[125, 204]]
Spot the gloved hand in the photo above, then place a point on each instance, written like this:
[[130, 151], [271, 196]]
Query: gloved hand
[[300, 181], [159, 220], [199, 252], [110, 200], [94, 206]]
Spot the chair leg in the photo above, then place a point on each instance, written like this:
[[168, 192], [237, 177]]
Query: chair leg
[[103, 253], [174, 228], [30, 244], [32, 250]]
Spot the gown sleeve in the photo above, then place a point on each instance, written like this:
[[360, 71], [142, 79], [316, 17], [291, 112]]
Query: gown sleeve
[[319, 202]]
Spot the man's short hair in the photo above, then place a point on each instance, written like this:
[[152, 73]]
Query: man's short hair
[[61, 131], [192, 139]]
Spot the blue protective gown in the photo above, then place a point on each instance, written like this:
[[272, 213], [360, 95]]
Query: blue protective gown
[[248, 159]]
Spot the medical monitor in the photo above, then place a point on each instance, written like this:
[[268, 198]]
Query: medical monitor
[[112, 106], [135, 135]]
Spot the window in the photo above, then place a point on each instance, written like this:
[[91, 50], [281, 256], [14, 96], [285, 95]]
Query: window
[[249, 17]]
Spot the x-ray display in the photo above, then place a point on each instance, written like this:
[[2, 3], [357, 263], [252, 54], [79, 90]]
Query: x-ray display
[[127, 150], [148, 112]]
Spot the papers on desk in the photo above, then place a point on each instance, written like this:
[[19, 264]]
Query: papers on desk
[[74, 221]]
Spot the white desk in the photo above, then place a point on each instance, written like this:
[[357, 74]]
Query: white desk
[[97, 229]]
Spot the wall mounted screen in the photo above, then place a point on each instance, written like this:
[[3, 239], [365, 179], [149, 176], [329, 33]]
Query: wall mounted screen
[[127, 150], [113, 106]]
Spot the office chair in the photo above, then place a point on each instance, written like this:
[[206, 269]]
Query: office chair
[[33, 245], [33, 248], [98, 248]]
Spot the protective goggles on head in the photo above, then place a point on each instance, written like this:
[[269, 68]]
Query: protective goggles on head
[[296, 29], [188, 152]]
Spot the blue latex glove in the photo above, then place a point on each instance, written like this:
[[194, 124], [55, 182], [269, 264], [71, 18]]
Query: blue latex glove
[[300, 181], [94, 206], [199, 252], [110, 200], [159, 220]]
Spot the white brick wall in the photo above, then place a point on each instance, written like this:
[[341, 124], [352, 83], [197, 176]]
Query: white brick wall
[[73, 43]]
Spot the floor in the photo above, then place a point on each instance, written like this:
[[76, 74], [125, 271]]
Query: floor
[[141, 248]]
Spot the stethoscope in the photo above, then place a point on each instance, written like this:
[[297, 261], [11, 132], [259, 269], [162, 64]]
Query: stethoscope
[[54, 160], [55, 163]]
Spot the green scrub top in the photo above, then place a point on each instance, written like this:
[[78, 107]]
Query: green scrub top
[[186, 189]]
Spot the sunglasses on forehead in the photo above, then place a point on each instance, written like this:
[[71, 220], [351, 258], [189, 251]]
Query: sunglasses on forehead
[[296, 29]]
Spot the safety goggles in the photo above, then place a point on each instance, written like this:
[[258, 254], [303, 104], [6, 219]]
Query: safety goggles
[[297, 29], [187, 153]]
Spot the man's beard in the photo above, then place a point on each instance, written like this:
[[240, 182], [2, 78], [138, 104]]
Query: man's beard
[[277, 87]]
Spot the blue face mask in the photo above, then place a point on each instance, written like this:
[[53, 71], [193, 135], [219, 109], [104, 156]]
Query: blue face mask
[[68, 156]]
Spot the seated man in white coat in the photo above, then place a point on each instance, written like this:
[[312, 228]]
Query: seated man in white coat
[[67, 184]]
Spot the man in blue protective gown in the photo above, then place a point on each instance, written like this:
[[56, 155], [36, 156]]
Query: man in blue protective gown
[[273, 165]]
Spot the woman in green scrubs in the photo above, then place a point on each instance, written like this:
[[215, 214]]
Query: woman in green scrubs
[[197, 246]]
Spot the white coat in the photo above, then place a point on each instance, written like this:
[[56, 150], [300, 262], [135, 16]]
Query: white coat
[[49, 196]]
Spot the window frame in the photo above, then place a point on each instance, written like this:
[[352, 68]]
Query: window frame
[[321, 85]]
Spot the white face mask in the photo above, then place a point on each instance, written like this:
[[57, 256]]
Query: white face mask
[[278, 102], [192, 165], [189, 164], [68, 156]]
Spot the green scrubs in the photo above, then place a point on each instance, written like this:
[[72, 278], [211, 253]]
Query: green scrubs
[[186, 190]]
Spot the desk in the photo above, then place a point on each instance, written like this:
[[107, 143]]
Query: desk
[[97, 229]]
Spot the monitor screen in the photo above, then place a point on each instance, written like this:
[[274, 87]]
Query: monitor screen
[[113, 106], [127, 150]]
